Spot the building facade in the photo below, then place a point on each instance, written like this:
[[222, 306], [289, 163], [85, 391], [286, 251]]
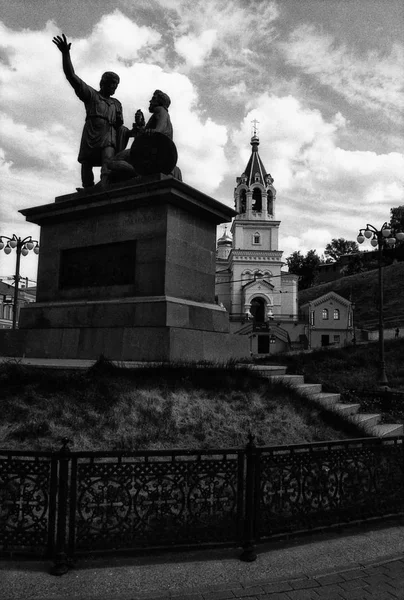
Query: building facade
[[330, 320], [25, 296], [260, 298]]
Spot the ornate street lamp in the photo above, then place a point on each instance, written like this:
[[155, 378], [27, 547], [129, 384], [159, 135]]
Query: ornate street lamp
[[22, 246], [380, 238]]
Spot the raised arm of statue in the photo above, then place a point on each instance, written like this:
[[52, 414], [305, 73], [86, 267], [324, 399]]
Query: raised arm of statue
[[64, 47]]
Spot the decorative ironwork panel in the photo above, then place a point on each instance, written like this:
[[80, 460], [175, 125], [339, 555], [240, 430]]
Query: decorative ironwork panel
[[27, 502], [147, 501], [324, 485]]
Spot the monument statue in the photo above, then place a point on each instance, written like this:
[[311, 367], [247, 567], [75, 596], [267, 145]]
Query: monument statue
[[102, 132], [153, 149]]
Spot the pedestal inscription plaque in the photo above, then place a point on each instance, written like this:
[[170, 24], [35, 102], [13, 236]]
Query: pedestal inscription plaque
[[96, 266]]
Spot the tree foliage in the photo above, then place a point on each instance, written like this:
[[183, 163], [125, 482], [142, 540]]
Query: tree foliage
[[397, 225], [397, 219], [304, 266], [339, 246]]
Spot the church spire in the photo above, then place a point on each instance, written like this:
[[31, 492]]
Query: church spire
[[255, 193]]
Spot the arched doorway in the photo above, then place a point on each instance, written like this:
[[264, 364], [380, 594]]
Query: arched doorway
[[258, 310]]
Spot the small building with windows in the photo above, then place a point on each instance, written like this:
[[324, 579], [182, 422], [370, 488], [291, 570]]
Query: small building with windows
[[329, 319], [26, 295]]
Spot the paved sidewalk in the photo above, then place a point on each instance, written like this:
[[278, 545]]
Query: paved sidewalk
[[359, 563]]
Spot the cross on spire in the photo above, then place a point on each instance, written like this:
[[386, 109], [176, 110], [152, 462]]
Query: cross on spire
[[255, 129]]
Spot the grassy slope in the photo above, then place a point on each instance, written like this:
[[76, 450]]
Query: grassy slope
[[116, 409], [362, 289]]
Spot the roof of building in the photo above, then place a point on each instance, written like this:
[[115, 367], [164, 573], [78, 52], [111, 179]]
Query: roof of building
[[226, 239], [328, 296], [5, 288], [255, 167]]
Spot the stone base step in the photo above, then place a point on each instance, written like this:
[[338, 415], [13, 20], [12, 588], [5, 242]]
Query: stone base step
[[309, 389], [294, 380], [268, 370], [388, 429], [326, 399], [346, 409], [367, 421]]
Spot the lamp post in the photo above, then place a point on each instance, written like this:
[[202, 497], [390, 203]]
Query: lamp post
[[380, 237], [22, 247]]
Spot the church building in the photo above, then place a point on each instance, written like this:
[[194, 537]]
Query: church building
[[260, 298]]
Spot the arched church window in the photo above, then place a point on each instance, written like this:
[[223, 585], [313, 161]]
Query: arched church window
[[336, 314], [325, 313], [243, 201], [257, 200], [257, 177], [270, 202], [256, 238]]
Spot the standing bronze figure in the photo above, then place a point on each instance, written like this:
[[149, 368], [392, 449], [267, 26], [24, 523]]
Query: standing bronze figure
[[104, 120]]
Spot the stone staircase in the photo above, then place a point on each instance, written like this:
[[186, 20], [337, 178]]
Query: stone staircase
[[369, 423]]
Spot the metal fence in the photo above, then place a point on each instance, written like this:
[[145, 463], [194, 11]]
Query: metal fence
[[65, 504]]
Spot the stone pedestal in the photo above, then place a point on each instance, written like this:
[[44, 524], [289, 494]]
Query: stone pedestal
[[128, 272]]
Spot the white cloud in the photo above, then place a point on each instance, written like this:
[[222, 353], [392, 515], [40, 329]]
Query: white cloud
[[196, 49], [203, 162], [372, 81], [232, 35]]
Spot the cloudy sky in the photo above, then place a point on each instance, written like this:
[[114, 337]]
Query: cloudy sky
[[324, 78]]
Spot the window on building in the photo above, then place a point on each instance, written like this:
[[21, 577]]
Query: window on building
[[256, 238], [312, 318], [325, 314], [336, 314], [349, 319], [8, 312], [337, 339], [257, 200]]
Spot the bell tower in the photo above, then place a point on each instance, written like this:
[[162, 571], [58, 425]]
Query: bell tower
[[249, 281], [255, 226]]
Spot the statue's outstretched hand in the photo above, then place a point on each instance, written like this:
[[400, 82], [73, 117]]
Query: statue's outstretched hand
[[62, 44]]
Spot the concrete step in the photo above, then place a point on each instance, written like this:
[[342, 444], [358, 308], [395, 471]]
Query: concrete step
[[268, 370], [387, 429], [326, 399], [293, 380], [367, 421], [346, 409], [309, 389]]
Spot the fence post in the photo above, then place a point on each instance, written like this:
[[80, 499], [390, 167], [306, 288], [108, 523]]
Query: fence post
[[60, 566], [249, 554]]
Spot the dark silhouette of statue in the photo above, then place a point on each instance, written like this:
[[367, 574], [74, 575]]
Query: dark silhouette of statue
[[153, 150], [102, 134]]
